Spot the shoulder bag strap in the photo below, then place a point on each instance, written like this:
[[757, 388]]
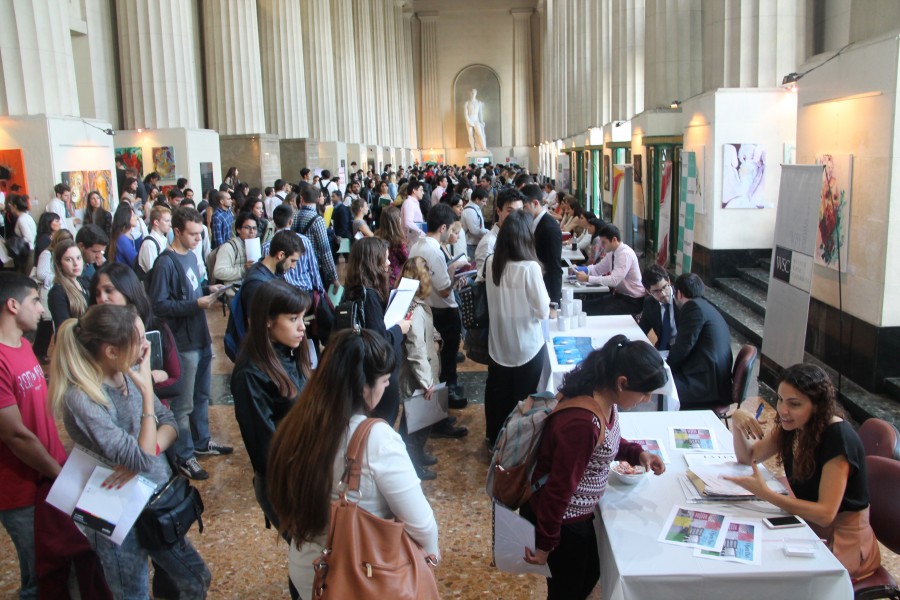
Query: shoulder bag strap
[[355, 451]]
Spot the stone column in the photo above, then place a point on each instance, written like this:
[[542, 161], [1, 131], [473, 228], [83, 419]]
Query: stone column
[[389, 56], [38, 67], [233, 72], [432, 129], [320, 72], [673, 61], [365, 63], [523, 99], [234, 90], [347, 92], [381, 95], [156, 50], [407, 82], [283, 70]]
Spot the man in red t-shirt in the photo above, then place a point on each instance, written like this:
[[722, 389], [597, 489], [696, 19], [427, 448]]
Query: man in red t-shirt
[[30, 448]]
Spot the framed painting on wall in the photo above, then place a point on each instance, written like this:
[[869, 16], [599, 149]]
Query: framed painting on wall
[[84, 182], [12, 172], [132, 157], [834, 211], [164, 161], [744, 176], [206, 177], [607, 172]]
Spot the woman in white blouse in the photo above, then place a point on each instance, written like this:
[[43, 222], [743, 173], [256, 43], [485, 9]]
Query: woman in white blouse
[[517, 303], [348, 383]]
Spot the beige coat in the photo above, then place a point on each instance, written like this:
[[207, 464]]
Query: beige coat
[[421, 366]]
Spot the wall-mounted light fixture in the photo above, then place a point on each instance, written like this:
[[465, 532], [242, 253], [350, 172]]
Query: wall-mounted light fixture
[[674, 104], [107, 131], [789, 82], [618, 123]]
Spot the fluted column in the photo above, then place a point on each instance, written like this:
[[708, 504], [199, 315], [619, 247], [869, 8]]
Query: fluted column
[[561, 65], [282, 68], [381, 96], [627, 58], [37, 67], [523, 103], [432, 129], [156, 58], [408, 83], [673, 61], [320, 73], [347, 105], [389, 55], [365, 64], [233, 72]]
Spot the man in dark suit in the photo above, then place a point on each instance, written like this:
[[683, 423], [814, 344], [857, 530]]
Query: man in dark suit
[[700, 357], [661, 313], [547, 240]]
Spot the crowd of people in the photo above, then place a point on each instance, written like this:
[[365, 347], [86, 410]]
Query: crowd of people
[[101, 286]]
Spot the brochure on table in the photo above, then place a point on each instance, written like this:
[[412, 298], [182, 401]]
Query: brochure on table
[[77, 492], [743, 543], [512, 534], [686, 438], [692, 528], [653, 446]]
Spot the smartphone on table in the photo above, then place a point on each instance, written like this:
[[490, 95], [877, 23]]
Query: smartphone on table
[[783, 522]]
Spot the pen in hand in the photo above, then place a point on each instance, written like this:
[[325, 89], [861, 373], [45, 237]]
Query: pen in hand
[[759, 410]]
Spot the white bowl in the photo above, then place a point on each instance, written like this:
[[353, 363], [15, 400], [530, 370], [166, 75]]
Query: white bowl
[[627, 479]]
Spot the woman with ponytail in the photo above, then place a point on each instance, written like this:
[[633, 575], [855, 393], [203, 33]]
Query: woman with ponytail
[[575, 452], [307, 454], [101, 383]]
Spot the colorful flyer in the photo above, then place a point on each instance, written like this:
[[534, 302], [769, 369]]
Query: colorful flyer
[[653, 447], [571, 350], [743, 543], [694, 529], [693, 439]]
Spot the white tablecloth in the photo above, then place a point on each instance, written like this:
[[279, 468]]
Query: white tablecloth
[[600, 330], [635, 566], [573, 255]]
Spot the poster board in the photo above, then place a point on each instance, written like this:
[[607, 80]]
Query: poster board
[[687, 208], [790, 277], [664, 226], [623, 207], [564, 173]]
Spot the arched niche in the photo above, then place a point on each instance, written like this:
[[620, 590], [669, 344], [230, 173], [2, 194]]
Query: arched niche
[[485, 80]]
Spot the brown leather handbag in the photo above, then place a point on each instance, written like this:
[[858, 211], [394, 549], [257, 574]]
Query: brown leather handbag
[[366, 556]]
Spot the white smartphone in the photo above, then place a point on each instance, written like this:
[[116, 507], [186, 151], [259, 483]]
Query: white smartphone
[[783, 522]]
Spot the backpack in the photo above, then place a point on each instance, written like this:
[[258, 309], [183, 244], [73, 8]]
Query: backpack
[[236, 328], [515, 453], [141, 273], [211, 259], [350, 314]]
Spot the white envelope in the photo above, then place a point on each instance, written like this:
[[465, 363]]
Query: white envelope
[[421, 412]]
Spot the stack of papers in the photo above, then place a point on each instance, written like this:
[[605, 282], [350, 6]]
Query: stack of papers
[[705, 481]]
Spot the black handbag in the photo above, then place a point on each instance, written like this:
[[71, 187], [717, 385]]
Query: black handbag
[[473, 302], [351, 314], [169, 515]]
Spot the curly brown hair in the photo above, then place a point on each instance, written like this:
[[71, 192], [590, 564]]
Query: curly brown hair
[[801, 444]]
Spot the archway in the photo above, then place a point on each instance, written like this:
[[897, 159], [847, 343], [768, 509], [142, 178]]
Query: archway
[[485, 80]]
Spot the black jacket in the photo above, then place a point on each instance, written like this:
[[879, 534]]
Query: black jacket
[[258, 407], [701, 357], [340, 221], [548, 246], [651, 318], [173, 304]]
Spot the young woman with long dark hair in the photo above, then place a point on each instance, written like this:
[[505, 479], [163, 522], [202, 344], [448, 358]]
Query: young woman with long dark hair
[[271, 371], [123, 247], [367, 280], [307, 454], [47, 225], [390, 230], [69, 295], [95, 214], [576, 448], [517, 303], [824, 461], [109, 408]]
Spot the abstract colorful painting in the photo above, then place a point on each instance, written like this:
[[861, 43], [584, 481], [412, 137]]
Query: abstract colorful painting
[[744, 176], [12, 172], [834, 211], [133, 158], [164, 161], [85, 182]]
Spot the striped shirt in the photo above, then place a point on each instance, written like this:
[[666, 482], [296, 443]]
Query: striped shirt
[[304, 274], [306, 222], [221, 225]]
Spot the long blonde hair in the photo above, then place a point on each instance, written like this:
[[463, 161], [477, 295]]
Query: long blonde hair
[[78, 346], [74, 295]]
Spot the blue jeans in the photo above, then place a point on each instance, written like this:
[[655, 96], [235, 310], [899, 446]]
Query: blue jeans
[[191, 406], [19, 524], [127, 573]]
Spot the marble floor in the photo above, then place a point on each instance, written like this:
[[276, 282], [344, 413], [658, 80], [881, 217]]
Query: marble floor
[[249, 561]]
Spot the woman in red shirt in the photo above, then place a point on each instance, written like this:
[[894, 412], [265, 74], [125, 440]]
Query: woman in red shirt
[[576, 449]]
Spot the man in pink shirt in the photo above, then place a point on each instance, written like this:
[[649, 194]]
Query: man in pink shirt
[[410, 213], [619, 270], [439, 190]]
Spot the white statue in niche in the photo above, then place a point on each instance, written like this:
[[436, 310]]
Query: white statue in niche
[[473, 111]]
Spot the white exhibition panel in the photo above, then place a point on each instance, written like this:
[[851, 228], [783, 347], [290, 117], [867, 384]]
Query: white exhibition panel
[[635, 566]]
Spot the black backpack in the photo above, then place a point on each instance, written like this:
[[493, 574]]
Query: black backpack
[[350, 314], [141, 273]]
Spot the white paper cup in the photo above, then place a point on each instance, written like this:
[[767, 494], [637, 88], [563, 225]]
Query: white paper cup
[[582, 319], [566, 309], [577, 305], [568, 294], [563, 323]]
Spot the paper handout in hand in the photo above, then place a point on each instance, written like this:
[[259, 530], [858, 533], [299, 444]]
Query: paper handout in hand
[[512, 534], [421, 412]]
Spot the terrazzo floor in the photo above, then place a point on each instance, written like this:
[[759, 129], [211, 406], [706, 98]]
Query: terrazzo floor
[[249, 561]]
